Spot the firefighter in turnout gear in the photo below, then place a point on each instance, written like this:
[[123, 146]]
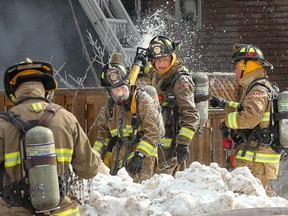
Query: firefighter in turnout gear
[[26, 85], [127, 125], [250, 118], [176, 96]]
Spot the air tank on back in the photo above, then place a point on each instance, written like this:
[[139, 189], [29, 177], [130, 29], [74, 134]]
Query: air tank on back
[[282, 105], [201, 96], [153, 93], [42, 168]]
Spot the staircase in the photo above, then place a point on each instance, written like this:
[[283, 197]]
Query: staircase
[[114, 27]]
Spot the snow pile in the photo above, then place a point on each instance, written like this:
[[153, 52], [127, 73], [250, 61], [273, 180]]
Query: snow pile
[[197, 190]]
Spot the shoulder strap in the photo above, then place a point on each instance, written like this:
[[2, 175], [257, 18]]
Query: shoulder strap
[[174, 79], [24, 125], [136, 116], [13, 118], [50, 111], [256, 82]]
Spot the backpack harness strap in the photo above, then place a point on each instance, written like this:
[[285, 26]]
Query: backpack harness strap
[[16, 193], [262, 136], [135, 121], [172, 109]]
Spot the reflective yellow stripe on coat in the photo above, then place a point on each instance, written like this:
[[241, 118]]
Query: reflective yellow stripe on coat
[[12, 159], [148, 148], [99, 145], [64, 154], [166, 142], [69, 212], [126, 131], [259, 157], [233, 104], [266, 117], [186, 132], [232, 121]]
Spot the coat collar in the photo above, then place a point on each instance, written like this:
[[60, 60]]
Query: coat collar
[[252, 76]]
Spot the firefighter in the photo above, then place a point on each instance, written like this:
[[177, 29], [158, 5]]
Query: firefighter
[[176, 95], [27, 84], [127, 125], [250, 117]]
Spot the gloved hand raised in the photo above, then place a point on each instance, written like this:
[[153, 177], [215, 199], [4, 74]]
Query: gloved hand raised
[[217, 102], [182, 153], [140, 60], [135, 164]]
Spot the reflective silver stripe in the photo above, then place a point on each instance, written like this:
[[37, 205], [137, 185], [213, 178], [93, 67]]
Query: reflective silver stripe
[[267, 158], [186, 133], [64, 154], [165, 142], [12, 159], [266, 117], [126, 131], [248, 156], [232, 123], [98, 146], [233, 104], [148, 148]]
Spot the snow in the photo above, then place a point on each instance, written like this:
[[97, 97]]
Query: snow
[[197, 190]]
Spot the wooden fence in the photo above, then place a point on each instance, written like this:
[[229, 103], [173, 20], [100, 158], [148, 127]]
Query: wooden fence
[[85, 104]]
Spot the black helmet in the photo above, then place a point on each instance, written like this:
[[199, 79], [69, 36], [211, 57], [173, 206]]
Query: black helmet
[[161, 46], [113, 75], [249, 52], [28, 71]]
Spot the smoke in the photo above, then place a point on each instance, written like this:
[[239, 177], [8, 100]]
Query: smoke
[[44, 31]]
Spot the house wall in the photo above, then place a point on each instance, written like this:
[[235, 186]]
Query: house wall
[[262, 23], [225, 22]]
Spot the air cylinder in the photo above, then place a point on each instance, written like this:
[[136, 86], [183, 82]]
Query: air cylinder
[[201, 96], [282, 105], [153, 93], [42, 168]]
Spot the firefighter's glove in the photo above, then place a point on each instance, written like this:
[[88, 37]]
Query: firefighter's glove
[[135, 164], [182, 153], [217, 102], [140, 60]]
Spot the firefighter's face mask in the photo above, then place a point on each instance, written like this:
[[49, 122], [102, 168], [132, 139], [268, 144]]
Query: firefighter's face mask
[[120, 94]]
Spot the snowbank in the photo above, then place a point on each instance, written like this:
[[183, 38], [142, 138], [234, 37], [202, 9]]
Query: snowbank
[[197, 190]]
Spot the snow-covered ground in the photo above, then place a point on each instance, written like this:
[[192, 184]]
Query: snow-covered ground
[[197, 190]]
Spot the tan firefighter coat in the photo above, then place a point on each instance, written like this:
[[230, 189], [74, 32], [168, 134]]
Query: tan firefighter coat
[[108, 126], [255, 108], [71, 143], [184, 94]]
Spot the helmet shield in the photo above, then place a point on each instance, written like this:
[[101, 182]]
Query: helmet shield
[[28, 71]]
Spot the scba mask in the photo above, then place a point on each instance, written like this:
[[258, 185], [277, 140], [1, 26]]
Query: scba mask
[[120, 94]]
